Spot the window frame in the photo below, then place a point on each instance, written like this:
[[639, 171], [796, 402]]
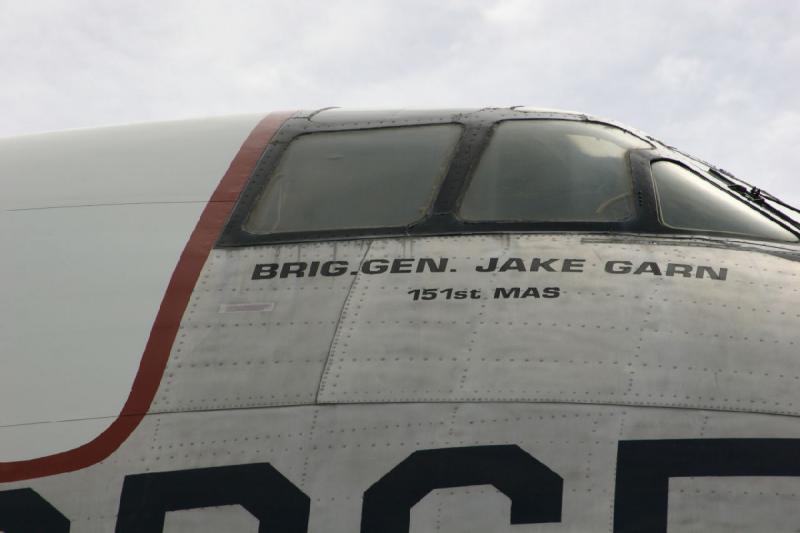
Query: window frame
[[725, 190], [440, 219], [436, 182], [636, 187], [259, 183]]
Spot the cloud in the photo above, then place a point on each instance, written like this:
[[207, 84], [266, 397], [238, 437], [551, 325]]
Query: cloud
[[717, 79]]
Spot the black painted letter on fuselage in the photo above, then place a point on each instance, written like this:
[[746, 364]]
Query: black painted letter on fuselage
[[535, 491], [276, 502], [24, 511], [645, 466]]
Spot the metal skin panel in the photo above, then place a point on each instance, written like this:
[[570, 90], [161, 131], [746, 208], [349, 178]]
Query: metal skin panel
[[164, 162], [577, 383], [335, 453], [93, 225], [644, 339], [66, 365], [246, 343]]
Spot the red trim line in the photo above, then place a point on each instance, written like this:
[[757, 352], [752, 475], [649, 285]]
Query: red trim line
[[168, 319]]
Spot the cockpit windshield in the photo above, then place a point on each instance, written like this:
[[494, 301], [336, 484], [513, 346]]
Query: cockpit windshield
[[348, 175], [355, 179], [543, 170]]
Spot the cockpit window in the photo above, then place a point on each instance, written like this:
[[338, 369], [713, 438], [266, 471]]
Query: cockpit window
[[355, 179], [551, 170], [687, 201]]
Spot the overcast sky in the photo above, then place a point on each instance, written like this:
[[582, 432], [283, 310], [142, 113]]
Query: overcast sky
[[717, 79]]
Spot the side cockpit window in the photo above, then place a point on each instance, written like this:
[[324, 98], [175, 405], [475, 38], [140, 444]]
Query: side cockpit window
[[550, 170], [378, 178], [689, 202]]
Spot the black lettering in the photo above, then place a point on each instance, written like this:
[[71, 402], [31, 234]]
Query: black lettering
[[297, 269], [722, 275], [644, 468], [491, 267], [274, 500], [402, 266], [23, 511], [618, 267], [676, 268], [515, 263], [537, 264], [432, 265], [313, 269], [573, 265], [501, 292], [265, 271], [649, 267], [551, 292], [535, 491], [531, 292], [429, 294], [334, 268], [375, 266]]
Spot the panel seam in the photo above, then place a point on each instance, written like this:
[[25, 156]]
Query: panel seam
[[336, 330]]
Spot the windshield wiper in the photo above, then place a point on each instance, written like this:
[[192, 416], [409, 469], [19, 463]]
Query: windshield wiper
[[755, 195], [749, 192]]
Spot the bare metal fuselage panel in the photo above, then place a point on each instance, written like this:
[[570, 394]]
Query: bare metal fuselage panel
[[560, 381]]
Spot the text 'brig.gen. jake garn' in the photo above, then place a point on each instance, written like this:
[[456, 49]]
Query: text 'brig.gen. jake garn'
[[423, 265]]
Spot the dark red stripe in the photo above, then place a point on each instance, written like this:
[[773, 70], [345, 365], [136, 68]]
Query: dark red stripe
[[168, 319]]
